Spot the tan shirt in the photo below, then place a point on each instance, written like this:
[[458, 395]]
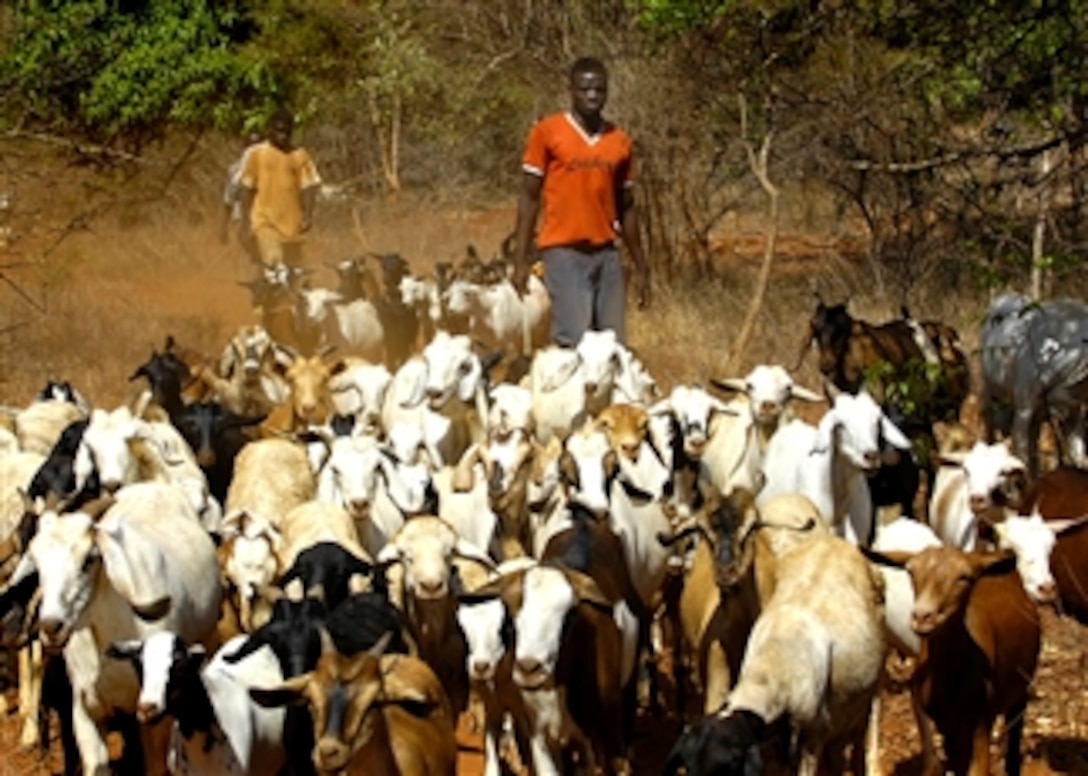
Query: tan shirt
[[278, 179]]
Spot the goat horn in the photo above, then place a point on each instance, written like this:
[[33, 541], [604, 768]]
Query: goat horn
[[98, 507]]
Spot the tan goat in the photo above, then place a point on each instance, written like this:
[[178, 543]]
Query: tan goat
[[382, 715]]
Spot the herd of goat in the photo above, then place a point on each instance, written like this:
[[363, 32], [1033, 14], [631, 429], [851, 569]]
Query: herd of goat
[[314, 551]]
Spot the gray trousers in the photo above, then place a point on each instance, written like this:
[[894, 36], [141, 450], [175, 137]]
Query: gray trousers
[[586, 290]]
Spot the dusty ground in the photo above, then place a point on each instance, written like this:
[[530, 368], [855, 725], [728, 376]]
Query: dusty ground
[[96, 270]]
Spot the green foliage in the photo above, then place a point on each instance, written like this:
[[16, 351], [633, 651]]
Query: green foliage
[[670, 17], [128, 70], [921, 391], [916, 388], [1027, 56]]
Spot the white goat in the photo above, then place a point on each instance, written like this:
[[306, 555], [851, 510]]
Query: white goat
[[379, 486], [974, 487], [814, 657], [441, 392], [38, 426], [499, 316], [572, 385], [769, 389], [124, 449], [218, 728], [359, 391], [829, 463]]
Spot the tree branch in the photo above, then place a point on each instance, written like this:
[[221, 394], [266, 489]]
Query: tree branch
[[954, 157]]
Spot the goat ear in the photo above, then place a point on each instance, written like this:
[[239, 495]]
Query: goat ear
[[563, 371], [892, 435], [950, 459], [487, 592], [831, 391], [688, 527], [415, 377], [568, 470], [804, 394], [467, 385], [379, 647], [719, 407], [994, 563], [634, 492], [663, 407], [1067, 525], [289, 693], [388, 555], [730, 384], [96, 508], [125, 649], [155, 610], [255, 641], [400, 688], [469, 551], [587, 589], [895, 559], [464, 475], [611, 464], [337, 368]]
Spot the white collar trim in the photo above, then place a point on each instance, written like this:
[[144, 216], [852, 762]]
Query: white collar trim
[[591, 139]]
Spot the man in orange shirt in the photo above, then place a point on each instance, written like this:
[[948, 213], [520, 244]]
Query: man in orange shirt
[[279, 187], [580, 167]]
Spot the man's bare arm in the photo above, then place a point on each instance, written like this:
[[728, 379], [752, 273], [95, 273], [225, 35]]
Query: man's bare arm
[[309, 197], [528, 209], [632, 238]]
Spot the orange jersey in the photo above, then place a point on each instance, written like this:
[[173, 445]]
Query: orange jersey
[[278, 179], [583, 178]]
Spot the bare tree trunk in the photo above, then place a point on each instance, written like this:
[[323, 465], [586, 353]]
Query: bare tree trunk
[[1038, 238], [758, 164], [388, 152], [394, 144]]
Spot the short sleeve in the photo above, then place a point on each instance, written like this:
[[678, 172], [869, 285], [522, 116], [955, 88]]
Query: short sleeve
[[248, 173], [625, 174], [535, 158], [307, 170]]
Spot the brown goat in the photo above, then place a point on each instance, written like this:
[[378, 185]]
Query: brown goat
[[1063, 493], [849, 350], [310, 401], [732, 575], [627, 426], [980, 638], [373, 714]]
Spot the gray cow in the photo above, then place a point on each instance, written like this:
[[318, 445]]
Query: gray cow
[[1034, 358]]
